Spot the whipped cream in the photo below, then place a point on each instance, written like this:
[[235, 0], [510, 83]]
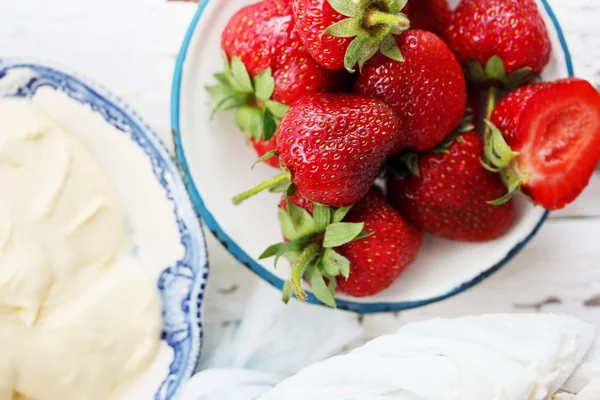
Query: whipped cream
[[78, 320], [492, 357]]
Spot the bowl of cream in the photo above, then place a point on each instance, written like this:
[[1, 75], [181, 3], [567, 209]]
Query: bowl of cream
[[102, 259]]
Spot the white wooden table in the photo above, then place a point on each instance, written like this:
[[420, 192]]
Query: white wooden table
[[130, 46]]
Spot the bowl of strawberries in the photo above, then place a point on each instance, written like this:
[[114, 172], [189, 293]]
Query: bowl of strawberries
[[379, 155]]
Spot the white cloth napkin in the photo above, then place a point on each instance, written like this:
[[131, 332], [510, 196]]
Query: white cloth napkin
[[492, 357], [588, 371], [516, 357], [590, 392], [273, 341]]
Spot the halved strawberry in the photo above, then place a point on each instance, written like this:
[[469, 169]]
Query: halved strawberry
[[545, 140]]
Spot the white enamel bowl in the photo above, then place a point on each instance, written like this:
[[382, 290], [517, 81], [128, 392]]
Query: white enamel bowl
[[217, 162]]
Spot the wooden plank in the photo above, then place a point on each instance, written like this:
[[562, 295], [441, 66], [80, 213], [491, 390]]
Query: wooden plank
[[559, 271]]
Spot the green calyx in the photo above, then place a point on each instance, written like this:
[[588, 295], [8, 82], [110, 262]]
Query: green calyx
[[494, 72], [497, 152], [257, 115], [407, 164], [269, 154], [372, 24], [466, 125], [310, 249], [278, 183], [499, 158]]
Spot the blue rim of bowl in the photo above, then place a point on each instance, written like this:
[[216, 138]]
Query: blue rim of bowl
[[237, 252], [188, 224]]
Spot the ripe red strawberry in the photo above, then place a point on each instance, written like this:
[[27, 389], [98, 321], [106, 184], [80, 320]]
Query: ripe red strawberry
[[341, 33], [264, 36], [450, 197], [267, 68], [378, 260], [332, 147], [358, 250], [545, 139], [427, 91], [298, 200], [430, 15], [476, 107], [262, 148], [509, 33]]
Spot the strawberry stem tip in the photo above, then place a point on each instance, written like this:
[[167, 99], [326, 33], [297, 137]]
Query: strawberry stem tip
[[286, 292], [376, 17], [300, 267], [373, 26], [491, 104], [274, 181]]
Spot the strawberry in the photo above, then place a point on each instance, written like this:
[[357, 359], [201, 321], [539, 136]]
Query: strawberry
[[332, 147], [299, 201], [378, 260], [545, 141], [502, 40], [475, 107], [430, 15], [427, 91], [341, 33], [359, 250], [267, 68], [450, 196], [263, 148]]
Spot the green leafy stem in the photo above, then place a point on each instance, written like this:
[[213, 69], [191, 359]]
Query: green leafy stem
[[372, 25], [310, 247], [494, 72], [257, 114]]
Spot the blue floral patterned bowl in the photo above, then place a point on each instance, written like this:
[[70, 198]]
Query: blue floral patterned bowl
[[165, 231]]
